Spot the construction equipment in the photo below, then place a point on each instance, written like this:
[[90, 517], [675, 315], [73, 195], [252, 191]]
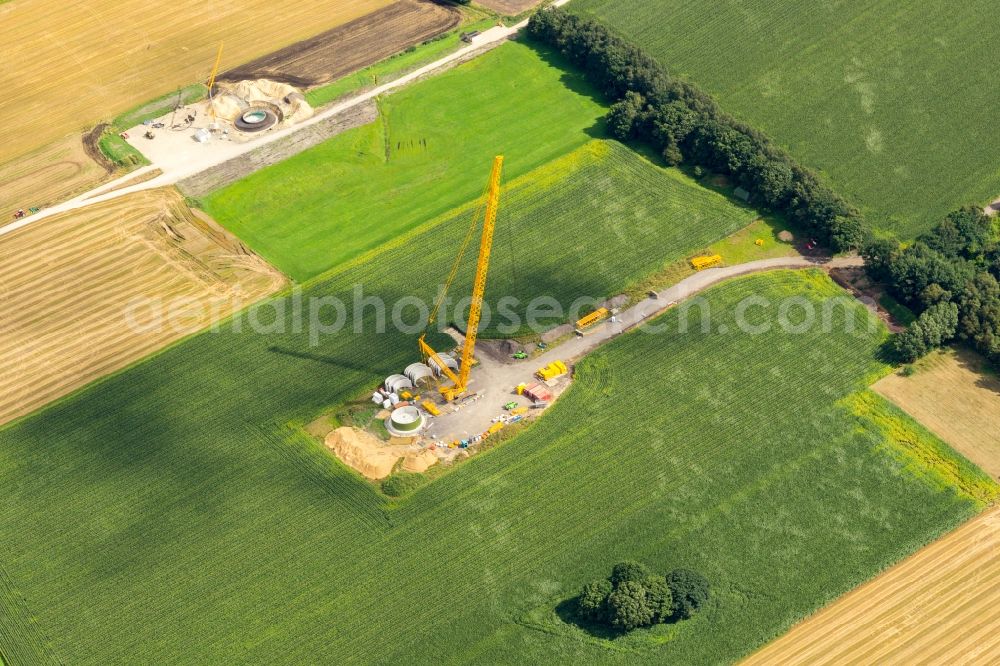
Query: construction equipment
[[460, 381], [552, 370], [430, 408], [591, 319], [701, 263]]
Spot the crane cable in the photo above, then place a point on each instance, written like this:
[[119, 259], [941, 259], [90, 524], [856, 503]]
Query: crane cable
[[458, 258], [511, 262]]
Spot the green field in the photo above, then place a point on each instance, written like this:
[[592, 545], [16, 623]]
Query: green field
[[889, 99], [190, 525], [431, 152], [601, 198], [176, 511]]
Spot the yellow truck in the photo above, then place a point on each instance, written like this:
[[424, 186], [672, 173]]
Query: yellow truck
[[701, 263], [591, 319]]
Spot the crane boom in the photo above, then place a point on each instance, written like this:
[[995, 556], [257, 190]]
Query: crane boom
[[482, 267], [460, 382]]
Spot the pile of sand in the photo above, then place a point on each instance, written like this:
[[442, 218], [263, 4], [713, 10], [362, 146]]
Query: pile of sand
[[261, 89], [233, 99], [228, 107], [419, 462], [364, 453]]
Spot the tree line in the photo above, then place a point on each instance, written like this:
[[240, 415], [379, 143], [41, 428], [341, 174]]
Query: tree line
[[686, 125], [949, 277]]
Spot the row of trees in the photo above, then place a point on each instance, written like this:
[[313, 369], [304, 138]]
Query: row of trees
[[686, 125], [633, 597], [949, 276]]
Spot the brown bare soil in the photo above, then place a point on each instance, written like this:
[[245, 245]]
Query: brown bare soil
[[952, 395], [78, 291], [509, 7], [352, 46], [47, 176], [91, 141], [940, 606], [239, 167], [78, 63], [856, 281]]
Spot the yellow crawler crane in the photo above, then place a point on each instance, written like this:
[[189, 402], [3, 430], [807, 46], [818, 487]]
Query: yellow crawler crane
[[460, 382]]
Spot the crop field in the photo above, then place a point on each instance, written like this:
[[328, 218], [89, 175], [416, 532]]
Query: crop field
[[74, 288], [369, 185], [176, 511], [510, 7], [352, 46], [660, 212], [953, 394], [937, 607], [47, 176], [878, 95], [69, 80]]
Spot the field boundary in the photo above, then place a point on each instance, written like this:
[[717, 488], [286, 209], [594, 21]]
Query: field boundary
[[237, 168], [884, 632], [21, 638]]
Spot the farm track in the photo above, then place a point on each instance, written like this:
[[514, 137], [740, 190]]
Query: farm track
[[938, 606], [352, 46], [47, 176], [66, 305]]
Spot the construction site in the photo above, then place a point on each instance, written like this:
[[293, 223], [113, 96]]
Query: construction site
[[441, 407], [225, 437], [445, 405], [235, 111]]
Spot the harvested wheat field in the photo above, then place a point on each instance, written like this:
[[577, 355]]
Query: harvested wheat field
[[509, 7], [352, 46], [952, 394], [47, 176], [81, 292], [81, 62], [940, 606]]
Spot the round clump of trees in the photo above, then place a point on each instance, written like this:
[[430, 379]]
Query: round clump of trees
[[633, 597]]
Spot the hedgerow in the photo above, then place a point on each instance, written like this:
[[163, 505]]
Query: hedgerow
[[686, 125]]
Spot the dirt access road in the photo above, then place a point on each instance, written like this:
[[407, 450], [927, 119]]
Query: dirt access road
[[185, 158], [495, 380], [939, 606]]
